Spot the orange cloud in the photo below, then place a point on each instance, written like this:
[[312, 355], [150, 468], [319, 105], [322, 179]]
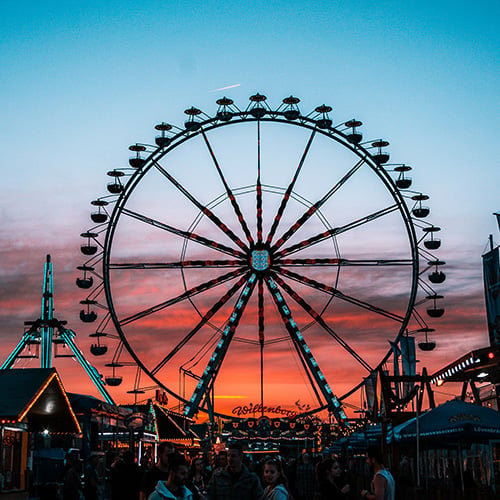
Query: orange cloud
[[461, 329]]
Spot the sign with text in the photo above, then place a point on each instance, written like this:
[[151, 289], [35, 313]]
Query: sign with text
[[257, 408]]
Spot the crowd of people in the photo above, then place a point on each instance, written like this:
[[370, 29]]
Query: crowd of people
[[231, 475]]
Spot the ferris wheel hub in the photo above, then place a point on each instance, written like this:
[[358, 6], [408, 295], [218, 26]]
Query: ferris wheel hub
[[260, 260]]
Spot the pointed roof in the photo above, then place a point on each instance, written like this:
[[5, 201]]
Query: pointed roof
[[169, 425], [36, 396], [172, 426]]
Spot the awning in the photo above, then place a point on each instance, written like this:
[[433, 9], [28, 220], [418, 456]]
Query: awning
[[452, 421]]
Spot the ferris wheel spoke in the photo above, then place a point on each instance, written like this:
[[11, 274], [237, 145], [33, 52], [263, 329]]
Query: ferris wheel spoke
[[305, 352], [183, 264], [183, 296], [261, 337], [215, 362], [289, 190], [336, 231], [316, 316], [259, 188], [206, 317], [261, 311], [337, 293], [314, 208], [229, 192], [343, 262], [205, 210], [184, 234]]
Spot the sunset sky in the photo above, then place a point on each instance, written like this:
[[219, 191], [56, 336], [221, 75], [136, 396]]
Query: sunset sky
[[81, 82]]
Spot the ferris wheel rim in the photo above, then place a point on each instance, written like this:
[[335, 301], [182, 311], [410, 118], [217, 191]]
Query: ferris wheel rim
[[213, 123]]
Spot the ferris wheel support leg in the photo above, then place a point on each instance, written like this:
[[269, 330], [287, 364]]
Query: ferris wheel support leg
[[210, 407], [67, 336], [215, 362], [312, 364], [15, 353]]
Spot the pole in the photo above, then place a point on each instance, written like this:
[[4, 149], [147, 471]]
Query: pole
[[461, 469], [262, 378], [2, 457], [417, 423], [47, 329], [261, 341]]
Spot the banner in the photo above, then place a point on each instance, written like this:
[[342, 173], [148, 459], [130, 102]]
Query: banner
[[491, 273], [408, 361], [370, 393]]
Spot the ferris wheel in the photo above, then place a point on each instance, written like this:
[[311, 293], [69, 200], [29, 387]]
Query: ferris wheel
[[259, 256]]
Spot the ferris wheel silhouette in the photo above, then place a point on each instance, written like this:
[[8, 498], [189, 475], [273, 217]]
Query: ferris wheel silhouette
[[255, 250]]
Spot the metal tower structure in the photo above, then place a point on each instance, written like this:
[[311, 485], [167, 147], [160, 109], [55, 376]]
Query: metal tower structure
[[48, 331]]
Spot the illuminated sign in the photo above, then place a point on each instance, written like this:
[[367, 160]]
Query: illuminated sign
[[252, 408]]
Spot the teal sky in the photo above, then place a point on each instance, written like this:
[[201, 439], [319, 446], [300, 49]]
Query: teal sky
[[80, 82]]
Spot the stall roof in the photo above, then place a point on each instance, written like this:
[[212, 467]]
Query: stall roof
[[37, 397], [85, 403], [454, 420], [169, 425], [172, 426]]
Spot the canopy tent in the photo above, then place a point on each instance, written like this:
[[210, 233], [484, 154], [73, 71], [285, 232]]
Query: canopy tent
[[452, 421]]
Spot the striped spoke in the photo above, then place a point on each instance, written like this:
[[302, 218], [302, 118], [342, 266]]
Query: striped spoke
[[213, 367], [229, 192], [344, 262], [314, 208], [337, 293], [184, 234], [204, 320], [259, 188], [319, 319], [182, 264], [205, 210], [289, 190], [335, 231], [183, 296]]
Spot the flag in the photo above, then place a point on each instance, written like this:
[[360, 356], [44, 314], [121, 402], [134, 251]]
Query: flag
[[491, 275]]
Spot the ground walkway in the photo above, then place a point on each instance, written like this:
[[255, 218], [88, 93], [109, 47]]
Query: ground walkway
[[14, 495]]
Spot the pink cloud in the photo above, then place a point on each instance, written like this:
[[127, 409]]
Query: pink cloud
[[461, 328]]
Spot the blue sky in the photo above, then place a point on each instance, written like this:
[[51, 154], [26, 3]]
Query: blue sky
[[80, 82]]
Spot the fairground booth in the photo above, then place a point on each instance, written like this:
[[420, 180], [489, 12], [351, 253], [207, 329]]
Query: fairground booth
[[451, 451], [35, 416], [160, 424]]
